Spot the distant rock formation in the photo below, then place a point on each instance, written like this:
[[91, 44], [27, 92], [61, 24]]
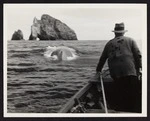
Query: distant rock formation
[[18, 35], [49, 28]]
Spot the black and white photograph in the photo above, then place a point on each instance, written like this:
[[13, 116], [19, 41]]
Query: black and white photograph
[[75, 60]]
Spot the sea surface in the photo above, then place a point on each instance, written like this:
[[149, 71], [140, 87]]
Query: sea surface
[[37, 85]]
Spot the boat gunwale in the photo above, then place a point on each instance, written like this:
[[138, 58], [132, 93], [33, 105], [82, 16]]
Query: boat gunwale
[[71, 102]]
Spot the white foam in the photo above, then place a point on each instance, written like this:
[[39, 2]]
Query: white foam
[[51, 49]]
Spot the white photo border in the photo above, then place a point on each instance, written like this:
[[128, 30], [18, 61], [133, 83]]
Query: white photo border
[[144, 73]]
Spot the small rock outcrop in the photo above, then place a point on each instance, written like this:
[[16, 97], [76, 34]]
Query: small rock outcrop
[[18, 35], [49, 28]]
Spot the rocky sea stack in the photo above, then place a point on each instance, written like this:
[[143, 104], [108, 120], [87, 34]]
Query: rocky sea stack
[[49, 28], [18, 35]]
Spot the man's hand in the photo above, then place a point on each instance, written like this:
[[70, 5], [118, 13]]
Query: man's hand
[[139, 74]]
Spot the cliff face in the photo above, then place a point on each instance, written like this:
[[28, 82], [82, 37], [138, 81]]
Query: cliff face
[[49, 28], [18, 35]]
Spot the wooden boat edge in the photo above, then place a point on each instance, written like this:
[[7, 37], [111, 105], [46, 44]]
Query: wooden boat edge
[[77, 95]]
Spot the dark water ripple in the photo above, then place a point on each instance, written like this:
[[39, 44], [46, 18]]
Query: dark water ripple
[[19, 51], [20, 56], [19, 105], [20, 70], [21, 64], [34, 84], [55, 96], [41, 50], [57, 69], [36, 77]]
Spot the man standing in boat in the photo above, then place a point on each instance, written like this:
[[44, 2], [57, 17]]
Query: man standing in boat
[[124, 61]]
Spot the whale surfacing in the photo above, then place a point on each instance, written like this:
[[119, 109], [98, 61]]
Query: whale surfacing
[[60, 53]]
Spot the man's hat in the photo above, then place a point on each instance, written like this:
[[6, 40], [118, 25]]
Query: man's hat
[[119, 28]]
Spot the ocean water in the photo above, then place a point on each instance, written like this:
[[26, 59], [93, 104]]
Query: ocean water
[[37, 85]]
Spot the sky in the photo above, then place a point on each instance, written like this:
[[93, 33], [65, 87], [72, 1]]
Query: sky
[[89, 21]]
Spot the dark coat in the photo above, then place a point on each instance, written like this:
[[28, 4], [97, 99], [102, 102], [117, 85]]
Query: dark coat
[[124, 57]]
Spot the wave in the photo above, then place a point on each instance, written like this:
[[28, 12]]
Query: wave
[[20, 50], [38, 50], [30, 69], [56, 95], [56, 69], [26, 64], [36, 77], [31, 84], [21, 64], [32, 50], [20, 55], [20, 105]]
